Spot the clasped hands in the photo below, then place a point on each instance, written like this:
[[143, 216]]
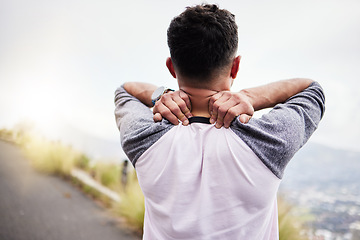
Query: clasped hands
[[224, 106]]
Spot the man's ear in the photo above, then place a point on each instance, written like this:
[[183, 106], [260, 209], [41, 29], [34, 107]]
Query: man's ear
[[235, 67], [170, 66]]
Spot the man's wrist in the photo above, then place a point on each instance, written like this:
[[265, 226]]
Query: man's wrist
[[249, 97], [157, 94]]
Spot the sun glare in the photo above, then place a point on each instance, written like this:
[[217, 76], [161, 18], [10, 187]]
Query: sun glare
[[39, 105]]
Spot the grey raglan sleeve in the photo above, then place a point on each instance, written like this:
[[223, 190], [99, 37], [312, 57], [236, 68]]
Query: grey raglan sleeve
[[138, 131], [279, 134]]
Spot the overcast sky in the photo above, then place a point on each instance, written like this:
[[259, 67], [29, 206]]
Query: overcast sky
[[61, 61]]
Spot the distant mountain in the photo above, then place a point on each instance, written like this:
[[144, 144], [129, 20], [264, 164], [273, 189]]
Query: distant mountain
[[318, 165], [326, 182]]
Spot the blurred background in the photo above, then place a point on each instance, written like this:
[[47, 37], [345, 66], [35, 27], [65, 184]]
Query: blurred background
[[61, 61]]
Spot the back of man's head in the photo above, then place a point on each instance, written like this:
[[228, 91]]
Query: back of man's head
[[202, 39]]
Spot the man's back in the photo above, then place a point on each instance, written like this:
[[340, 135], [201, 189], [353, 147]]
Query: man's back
[[201, 182], [208, 188]]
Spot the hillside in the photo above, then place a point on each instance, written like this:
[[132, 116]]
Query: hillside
[[322, 166], [325, 181]]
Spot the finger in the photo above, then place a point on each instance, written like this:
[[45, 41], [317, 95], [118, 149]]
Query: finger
[[231, 114], [174, 104], [218, 111], [213, 99], [219, 123], [221, 112], [166, 113], [225, 104], [234, 109], [244, 118], [187, 101], [184, 110], [157, 117]]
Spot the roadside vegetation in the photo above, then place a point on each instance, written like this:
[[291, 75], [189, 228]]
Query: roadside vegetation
[[292, 221], [53, 157]]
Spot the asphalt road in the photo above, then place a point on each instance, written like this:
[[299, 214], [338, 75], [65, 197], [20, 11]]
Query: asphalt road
[[35, 206]]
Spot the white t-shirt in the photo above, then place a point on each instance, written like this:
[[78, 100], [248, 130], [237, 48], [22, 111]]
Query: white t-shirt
[[201, 182]]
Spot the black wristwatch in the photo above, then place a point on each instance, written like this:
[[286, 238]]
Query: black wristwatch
[[158, 93]]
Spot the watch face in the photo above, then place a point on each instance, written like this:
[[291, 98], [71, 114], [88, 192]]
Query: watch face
[[157, 93]]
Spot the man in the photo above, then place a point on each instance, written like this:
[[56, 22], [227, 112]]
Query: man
[[212, 177]]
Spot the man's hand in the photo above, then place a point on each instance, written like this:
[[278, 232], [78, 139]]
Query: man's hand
[[224, 106], [173, 106]]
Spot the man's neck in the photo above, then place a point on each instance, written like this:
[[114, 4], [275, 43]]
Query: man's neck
[[200, 96], [199, 100]]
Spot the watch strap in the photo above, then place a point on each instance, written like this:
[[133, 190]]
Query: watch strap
[[158, 93]]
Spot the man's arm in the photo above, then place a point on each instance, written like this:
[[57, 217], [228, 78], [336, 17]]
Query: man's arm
[[278, 134], [269, 95], [174, 105], [225, 106], [135, 121], [141, 91]]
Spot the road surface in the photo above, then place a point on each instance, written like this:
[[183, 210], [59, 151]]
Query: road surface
[[35, 206]]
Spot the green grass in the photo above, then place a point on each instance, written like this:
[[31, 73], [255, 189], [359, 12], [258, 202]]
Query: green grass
[[82, 162], [291, 225], [131, 205], [50, 157], [108, 174], [6, 135]]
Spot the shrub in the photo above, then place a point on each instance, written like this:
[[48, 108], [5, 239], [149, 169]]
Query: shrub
[[108, 174], [50, 157], [131, 205], [82, 162], [291, 226], [6, 135]]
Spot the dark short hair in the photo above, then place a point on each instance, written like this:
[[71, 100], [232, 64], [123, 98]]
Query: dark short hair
[[202, 39]]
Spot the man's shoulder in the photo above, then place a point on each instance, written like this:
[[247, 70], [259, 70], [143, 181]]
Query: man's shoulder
[[138, 131], [277, 135], [141, 136]]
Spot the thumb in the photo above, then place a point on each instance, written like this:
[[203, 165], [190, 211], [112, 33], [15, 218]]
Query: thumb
[[157, 117]]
